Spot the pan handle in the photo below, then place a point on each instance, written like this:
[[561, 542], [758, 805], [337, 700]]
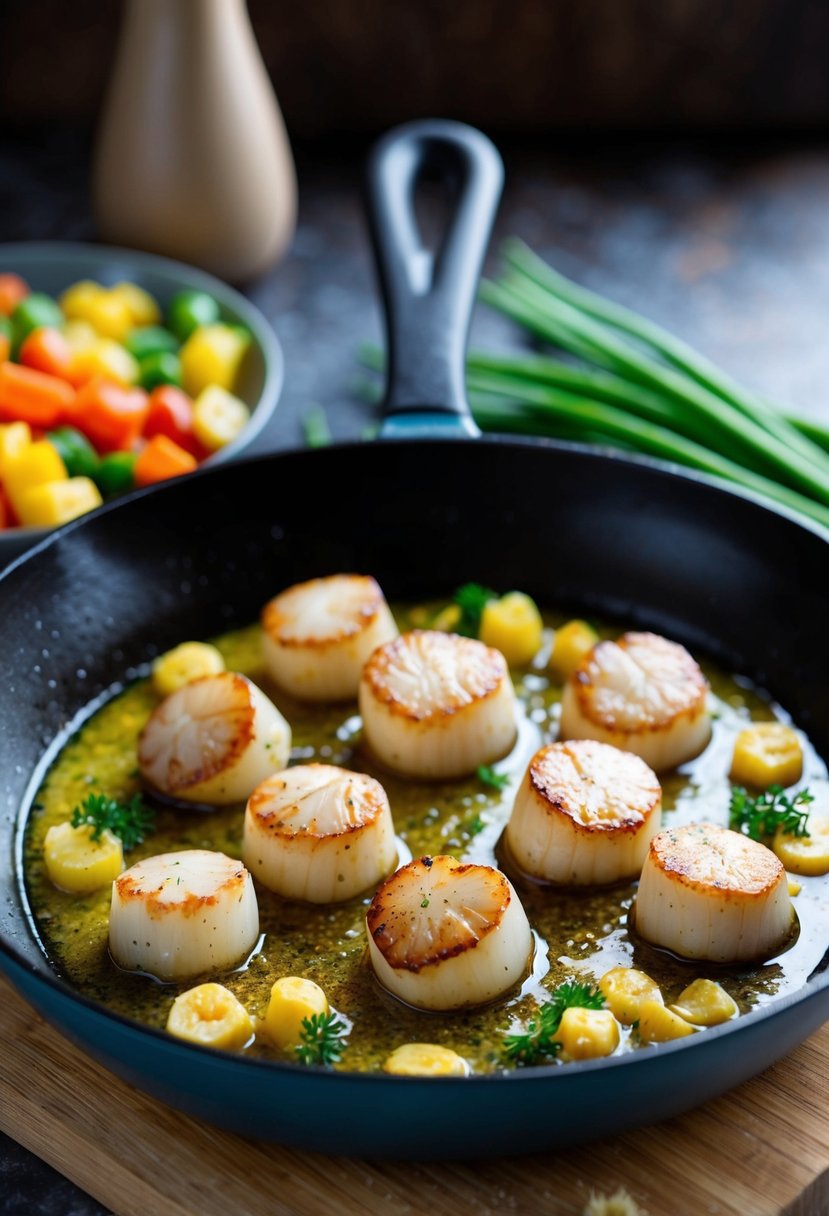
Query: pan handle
[[429, 297]]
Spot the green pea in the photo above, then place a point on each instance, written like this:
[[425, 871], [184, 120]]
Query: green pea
[[36, 311], [76, 452], [151, 340], [162, 368], [116, 473], [190, 309]]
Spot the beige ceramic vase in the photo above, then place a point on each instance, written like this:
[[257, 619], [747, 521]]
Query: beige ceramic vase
[[192, 159]]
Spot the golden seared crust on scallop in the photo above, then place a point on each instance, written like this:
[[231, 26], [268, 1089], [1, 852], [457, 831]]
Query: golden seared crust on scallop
[[437, 705], [319, 833], [213, 740], [318, 635], [583, 814], [707, 892], [444, 934], [177, 915], [643, 694]]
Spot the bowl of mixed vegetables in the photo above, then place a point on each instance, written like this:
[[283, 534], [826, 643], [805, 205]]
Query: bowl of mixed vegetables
[[118, 370]]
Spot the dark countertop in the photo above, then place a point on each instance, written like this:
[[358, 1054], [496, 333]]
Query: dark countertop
[[728, 247]]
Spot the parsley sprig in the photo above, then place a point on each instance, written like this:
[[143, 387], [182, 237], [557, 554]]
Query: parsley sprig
[[471, 598], [536, 1043], [487, 775], [322, 1039], [762, 815], [131, 821]]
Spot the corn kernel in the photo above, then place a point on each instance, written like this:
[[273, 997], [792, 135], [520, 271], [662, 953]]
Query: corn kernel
[[142, 307], [56, 502], [104, 357], [185, 663], [77, 863], [211, 1015], [425, 1060], [292, 1000], [14, 437], [586, 1034], [658, 1024], [570, 645], [212, 354], [808, 855], [512, 625], [34, 465], [705, 1003], [447, 619], [218, 417], [624, 989], [767, 753]]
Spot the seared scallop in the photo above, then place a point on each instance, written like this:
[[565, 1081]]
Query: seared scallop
[[178, 915], [435, 705], [709, 893], [445, 935], [318, 635], [213, 741], [319, 833], [643, 694], [584, 813]]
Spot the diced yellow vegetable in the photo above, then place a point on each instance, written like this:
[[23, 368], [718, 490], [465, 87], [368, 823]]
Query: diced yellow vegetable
[[105, 357], [109, 315], [425, 1060], [79, 335], [586, 1034], [77, 863], [142, 307], [56, 502], [767, 753], [624, 989], [212, 354], [34, 465], [658, 1024], [808, 855], [292, 1000], [211, 1015], [77, 299], [14, 437], [705, 1003], [218, 417], [570, 645], [794, 886], [447, 619], [185, 663], [512, 625]]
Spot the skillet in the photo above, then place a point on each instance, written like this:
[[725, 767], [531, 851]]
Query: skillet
[[574, 527]]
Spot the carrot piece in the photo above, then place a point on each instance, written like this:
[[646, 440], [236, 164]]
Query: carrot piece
[[27, 395], [47, 350], [5, 347], [171, 414], [13, 289], [160, 459], [109, 414]]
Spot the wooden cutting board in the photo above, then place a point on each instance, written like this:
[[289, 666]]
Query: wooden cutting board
[[759, 1151]]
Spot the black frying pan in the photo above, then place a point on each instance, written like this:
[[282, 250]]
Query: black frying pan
[[598, 532]]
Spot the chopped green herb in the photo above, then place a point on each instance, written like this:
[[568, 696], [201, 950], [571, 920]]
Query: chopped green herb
[[474, 825], [762, 815], [424, 903], [322, 1039], [130, 821], [471, 598], [316, 428], [487, 775], [536, 1043]]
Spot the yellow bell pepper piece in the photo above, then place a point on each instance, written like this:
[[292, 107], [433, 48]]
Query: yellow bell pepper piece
[[705, 1003], [767, 753], [586, 1034], [14, 437], [292, 1000], [212, 354], [570, 645], [105, 357], [512, 625], [185, 663], [794, 886], [56, 502], [425, 1060], [142, 307], [807, 855], [624, 989], [79, 335], [211, 1015], [658, 1024], [218, 417], [76, 301], [34, 465], [77, 863]]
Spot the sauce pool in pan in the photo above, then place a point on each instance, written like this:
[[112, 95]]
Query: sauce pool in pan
[[579, 933]]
